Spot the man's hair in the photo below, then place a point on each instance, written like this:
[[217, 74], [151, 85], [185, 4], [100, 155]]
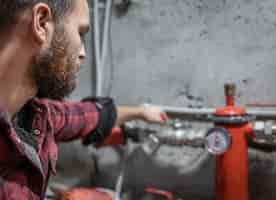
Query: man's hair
[[11, 9]]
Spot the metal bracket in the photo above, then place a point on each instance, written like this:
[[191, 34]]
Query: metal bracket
[[123, 7]]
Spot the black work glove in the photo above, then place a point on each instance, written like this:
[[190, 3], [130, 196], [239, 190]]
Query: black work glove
[[107, 118]]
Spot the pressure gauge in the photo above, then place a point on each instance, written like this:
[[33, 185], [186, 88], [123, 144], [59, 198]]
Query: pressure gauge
[[218, 140]]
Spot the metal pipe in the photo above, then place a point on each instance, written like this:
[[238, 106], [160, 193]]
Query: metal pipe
[[185, 113], [175, 133], [264, 128], [97, 48], [232, 166], [201, 114], [262, 114], [189, 137], [188, 111], [101, 48], [181, 137], [121, 177], [106, 32]]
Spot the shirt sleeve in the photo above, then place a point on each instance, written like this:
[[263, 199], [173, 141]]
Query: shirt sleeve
[[90, 120]]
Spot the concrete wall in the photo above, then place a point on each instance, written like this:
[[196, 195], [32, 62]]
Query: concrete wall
[[181, 52]]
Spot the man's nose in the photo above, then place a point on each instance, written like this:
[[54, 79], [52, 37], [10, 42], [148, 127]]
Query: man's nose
[[82, 55]]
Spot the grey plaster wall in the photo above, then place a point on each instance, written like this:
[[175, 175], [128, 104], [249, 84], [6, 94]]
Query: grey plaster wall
[[173, 51], [181, 52]]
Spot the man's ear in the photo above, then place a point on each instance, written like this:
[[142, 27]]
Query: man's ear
[[42, 23]]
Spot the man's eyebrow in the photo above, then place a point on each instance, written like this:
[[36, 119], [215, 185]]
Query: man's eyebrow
[[84, 28]]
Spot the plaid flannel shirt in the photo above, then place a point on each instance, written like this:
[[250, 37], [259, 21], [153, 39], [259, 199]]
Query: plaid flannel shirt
[[25, 164]]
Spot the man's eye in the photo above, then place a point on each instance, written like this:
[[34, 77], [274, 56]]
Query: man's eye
[[83, 37]]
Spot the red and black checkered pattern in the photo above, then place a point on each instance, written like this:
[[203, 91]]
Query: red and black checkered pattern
[[25, 168]]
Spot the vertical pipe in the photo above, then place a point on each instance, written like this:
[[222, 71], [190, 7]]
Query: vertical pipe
[[92, 50], [230, 101], [232, 167], [97, 49], [230, 90], [107, 21]]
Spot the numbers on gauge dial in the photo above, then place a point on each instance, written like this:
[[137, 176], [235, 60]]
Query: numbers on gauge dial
[[218, 141]]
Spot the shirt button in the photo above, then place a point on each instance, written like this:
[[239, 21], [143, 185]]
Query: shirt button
[[37, 132], [18, 140]]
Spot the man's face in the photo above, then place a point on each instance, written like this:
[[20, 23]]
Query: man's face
[[55, 68]]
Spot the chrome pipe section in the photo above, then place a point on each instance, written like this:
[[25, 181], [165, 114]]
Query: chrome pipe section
[[265, 128], [189, 137], [264, 136], [152, 144], [175, 133]]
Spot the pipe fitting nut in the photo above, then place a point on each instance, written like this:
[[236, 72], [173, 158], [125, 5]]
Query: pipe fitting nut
[[230, 89]]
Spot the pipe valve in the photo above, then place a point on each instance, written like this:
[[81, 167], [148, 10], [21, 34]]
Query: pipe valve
[[267, 128]]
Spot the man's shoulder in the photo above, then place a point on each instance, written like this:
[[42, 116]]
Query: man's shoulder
[[44, 103]]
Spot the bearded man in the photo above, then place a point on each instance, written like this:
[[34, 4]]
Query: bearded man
[[41, 50]]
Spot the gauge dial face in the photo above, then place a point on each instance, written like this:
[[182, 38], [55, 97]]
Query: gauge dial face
[[218, 141]]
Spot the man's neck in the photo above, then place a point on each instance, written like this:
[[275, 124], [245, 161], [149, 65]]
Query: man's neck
[[15, 85]]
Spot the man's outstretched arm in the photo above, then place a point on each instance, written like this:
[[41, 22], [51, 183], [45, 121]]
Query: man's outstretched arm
[[93, 119]]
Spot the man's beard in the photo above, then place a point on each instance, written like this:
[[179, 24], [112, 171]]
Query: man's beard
[[54, 69]]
